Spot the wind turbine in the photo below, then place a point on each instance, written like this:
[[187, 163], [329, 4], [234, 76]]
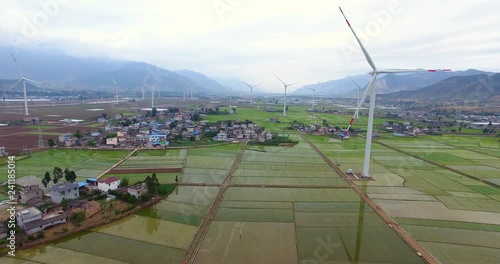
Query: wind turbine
[[152, 96], [251, 91], [359, 90], [116, 89], [230, 92], [314, 92], [371, 90], [23, 79], [286, 86]]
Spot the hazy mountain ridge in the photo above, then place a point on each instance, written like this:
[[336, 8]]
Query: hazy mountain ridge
[[472, 87]]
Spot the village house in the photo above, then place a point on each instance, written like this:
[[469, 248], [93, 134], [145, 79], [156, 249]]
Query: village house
[[30, 192], [64, 191], [110, 183], [137, 190], [31, 221]]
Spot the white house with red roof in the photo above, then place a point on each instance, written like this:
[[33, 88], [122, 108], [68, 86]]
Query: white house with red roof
[[110, 183]]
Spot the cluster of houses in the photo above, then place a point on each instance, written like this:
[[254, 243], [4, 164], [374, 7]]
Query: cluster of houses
[[38, 216], [144, 131]]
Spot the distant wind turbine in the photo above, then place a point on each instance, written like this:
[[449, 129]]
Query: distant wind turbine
[[116, 89], [23, 80], [152, 96], [230, 92], [371, 90], [286, 86], [359, 90], [251, 91]]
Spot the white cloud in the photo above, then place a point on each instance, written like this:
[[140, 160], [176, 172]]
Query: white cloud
[[251, 39]]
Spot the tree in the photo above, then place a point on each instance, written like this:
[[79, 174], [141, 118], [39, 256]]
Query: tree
[[152, 184], [57, 173], [55, 180], [51, 142], [490, 124], [485, 131], [124, 182], [91, 143], [176, 178], [70, 176], [325, 124], [78, 134], [46, 179], [154, 112]]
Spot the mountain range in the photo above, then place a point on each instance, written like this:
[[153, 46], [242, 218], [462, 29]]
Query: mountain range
[[65, 72]]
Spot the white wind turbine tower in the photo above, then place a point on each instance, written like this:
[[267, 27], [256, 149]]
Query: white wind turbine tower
[[152, 95], [143, 98], [359, 90], [230, 92], [286, 86], [23, 79], [371, 90], [116, 89], [251, 91], [314, 93]]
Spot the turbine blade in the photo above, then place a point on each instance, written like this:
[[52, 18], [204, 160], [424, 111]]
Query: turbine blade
[[355, 83], [17, 65], [367, 56], [256, 85], [287, 85], [33, 81], [280, 80], [371, 86], [251, 87], [12, 87], [113, 80]]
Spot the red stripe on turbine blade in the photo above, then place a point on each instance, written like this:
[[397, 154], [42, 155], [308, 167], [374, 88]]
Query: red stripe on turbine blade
[[352, 120], [344, 17], [447, 70], [431, 70]]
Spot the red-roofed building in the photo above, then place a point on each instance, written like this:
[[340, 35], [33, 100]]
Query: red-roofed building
[[110, 183]]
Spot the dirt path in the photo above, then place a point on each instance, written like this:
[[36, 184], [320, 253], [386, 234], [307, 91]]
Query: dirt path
[[406, 237], [194, 246], [116, 164]]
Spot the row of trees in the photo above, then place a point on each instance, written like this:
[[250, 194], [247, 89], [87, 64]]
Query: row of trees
[[58, 173]]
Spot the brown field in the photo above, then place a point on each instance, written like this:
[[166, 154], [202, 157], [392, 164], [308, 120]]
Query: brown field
[[150, 170]]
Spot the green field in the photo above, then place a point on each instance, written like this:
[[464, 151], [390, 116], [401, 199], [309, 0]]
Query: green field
[[73, 159]]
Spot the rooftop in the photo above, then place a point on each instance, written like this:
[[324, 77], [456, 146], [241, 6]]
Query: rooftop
[[30, 211], [64, 187], [108, 180]]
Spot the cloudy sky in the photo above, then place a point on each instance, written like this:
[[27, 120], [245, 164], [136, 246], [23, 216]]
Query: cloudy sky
[[304, 41]]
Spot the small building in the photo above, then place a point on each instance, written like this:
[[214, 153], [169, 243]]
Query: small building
[[92, 181], [110, 183], [221, 136], [64, 191], [2, 152], [30, 192], [137, 190], [31, 221], [112, 141], [157, 137]]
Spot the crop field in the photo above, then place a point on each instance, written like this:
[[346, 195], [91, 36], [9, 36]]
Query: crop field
[[296, 165], [209, 165], [477, 156], [163, 231], [328, 225], [170, 158], [414, 190], [88, 161]]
